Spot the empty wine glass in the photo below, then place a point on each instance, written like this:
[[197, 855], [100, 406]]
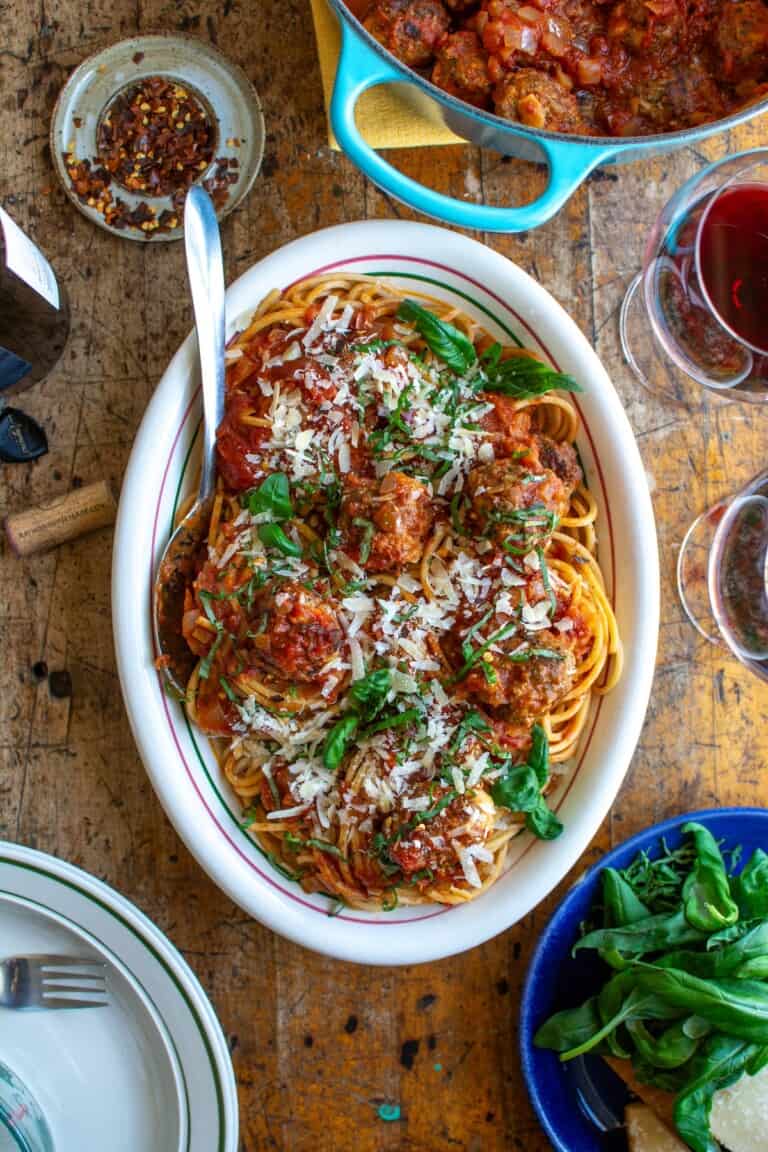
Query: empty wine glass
[[696, 315], [722, 574]]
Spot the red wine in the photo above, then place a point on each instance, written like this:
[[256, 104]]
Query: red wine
[[733, 255]]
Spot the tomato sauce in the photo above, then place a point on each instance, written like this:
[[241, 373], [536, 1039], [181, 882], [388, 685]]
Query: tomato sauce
[[617, 67]]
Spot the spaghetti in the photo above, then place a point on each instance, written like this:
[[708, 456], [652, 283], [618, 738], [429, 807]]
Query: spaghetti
[[400, 620]]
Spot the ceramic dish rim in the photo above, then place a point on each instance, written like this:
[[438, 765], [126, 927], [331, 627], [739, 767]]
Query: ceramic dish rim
[[185, 38], [152, 1012], [161, 951]]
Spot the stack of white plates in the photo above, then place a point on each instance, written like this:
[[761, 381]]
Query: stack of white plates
[[150, 1072]]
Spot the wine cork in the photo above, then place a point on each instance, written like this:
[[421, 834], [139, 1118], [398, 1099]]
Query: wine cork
[[65, 518]]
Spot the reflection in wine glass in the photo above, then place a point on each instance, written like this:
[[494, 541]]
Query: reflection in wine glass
[[722, 574], [695, 317]]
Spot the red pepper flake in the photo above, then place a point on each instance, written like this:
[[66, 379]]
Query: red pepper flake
[[155, 139]]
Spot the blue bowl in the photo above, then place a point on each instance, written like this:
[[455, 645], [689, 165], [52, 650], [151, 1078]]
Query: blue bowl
[[557, 980]]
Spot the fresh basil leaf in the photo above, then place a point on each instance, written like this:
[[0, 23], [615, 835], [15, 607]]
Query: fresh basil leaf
[[471, 721], [273, 496], [207, 661], [369, 693], [524, 377], [337, 740], [273, 536], [653, 934], [620, 902], [543, 822], [569, 1028], [396, 720], [324, 846], [367, 533], [446, 341], [479, 652], [491, 357], [517, 789], [709, 905], [751, 887]]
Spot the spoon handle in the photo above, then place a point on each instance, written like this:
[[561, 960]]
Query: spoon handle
[[205, 268]]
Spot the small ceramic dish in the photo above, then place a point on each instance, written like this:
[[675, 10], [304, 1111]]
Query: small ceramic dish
[[219, 86], [557, 980]]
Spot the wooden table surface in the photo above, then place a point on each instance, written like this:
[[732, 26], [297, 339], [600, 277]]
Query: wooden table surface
[[317, 1045]]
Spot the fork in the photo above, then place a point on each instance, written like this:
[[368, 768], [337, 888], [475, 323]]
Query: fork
[[40, 982]]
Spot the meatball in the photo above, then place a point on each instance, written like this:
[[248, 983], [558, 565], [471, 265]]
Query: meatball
[[560, 457], [410, 29], [741, 38], [435, 844], [461, 68], [661, 100], [648, 26], [385, 524], [510, 501], [294, 632], [538, 100], [518, 688]]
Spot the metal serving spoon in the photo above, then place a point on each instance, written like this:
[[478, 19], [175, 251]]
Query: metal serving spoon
[[205, 269]]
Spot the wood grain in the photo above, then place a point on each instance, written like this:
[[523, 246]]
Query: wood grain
[[317, 1045]]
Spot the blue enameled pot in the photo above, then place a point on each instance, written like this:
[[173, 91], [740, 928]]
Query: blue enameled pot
[[364, 64]]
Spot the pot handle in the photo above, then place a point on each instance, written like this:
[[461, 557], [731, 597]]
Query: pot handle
[[359, 69]]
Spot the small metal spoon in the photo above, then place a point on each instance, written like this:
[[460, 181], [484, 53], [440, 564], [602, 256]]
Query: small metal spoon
[[205, 269]]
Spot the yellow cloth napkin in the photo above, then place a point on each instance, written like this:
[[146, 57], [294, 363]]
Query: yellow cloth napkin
[[384, 119]]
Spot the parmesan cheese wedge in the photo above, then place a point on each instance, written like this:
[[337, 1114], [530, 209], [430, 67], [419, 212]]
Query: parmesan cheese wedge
[[739, 1118], [646, 1133]]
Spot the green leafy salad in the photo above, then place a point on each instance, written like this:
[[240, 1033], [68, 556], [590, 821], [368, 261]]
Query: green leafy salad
[[685, 997]]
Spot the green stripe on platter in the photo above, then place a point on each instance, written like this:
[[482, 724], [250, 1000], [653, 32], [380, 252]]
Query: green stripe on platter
[[456, 292], [184, 466], [78, 929], [25, 866]]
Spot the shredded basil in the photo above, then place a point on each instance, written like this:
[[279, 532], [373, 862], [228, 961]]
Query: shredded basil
[[205, 663], [478, 653], [368, 531]]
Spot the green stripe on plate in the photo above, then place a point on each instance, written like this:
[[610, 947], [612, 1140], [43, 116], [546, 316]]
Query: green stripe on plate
[[158, 957]]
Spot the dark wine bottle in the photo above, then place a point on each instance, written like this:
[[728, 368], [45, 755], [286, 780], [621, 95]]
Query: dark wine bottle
[[34, 311]]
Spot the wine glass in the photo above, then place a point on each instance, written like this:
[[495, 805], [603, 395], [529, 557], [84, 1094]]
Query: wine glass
[[722, 574], [703, 288]]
